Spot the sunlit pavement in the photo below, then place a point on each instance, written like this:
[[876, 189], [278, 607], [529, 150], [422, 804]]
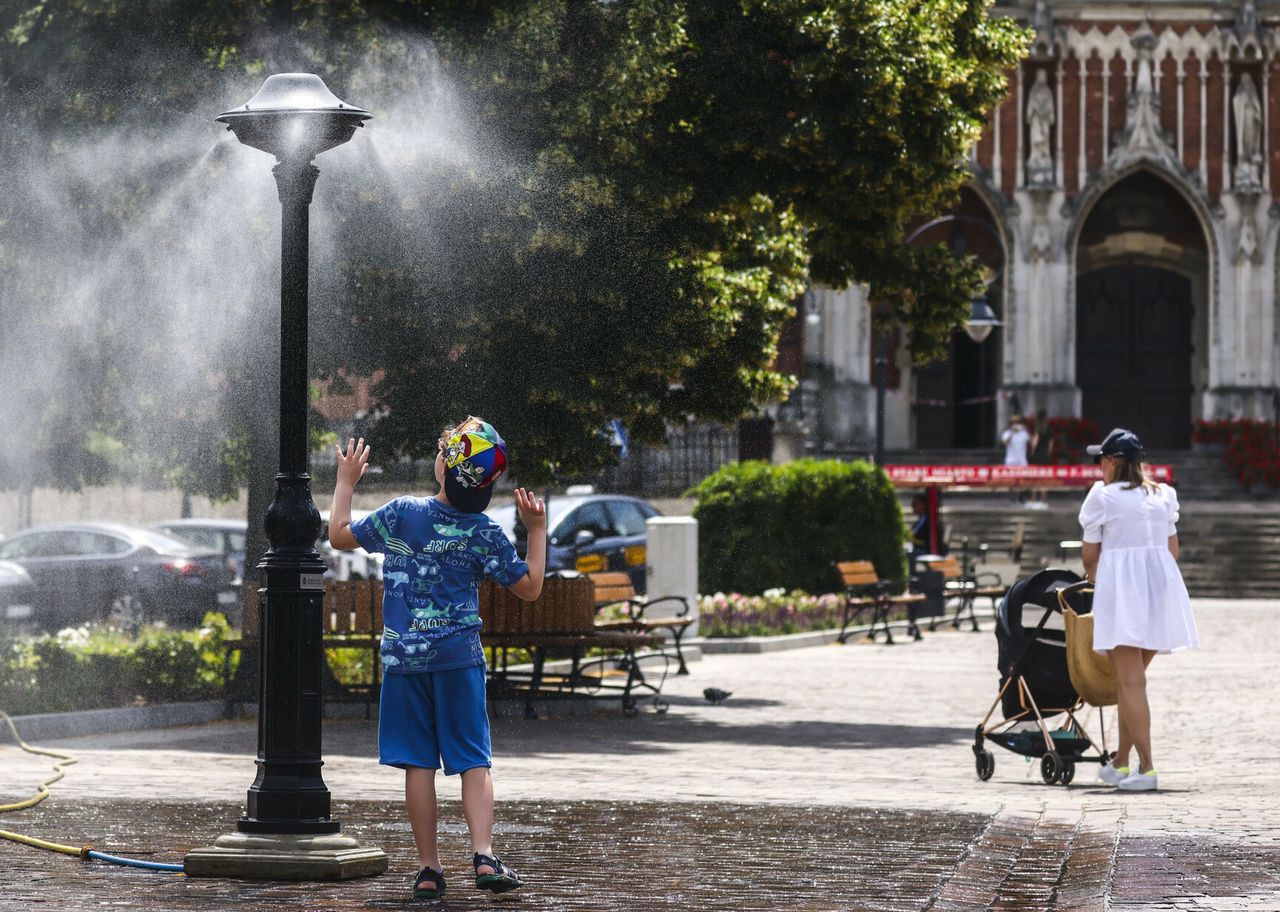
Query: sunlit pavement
[[834, 778]]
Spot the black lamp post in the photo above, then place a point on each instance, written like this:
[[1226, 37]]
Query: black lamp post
[[295, 118]]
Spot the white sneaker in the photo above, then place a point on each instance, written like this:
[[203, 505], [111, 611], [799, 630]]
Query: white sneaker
[[1113, 775], [1139, 782]]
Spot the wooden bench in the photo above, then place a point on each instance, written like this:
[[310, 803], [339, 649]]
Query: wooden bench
[[351, 619], [562, 621], [865, 591], [617, 589], [964, 588]]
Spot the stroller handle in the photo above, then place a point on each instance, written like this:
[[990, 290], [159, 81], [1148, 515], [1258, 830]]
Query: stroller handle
[[1076, 587]]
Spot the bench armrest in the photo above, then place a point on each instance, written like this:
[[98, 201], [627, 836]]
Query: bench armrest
[[646, 604]]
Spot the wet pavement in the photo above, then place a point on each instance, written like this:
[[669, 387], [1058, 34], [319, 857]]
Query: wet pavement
[[834, 778]]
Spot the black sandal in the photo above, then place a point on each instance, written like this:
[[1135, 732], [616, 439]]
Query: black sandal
[[503, 880], [436, 878]]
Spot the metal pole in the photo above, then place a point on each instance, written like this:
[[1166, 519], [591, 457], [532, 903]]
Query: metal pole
[[882, 370], [289, 795]]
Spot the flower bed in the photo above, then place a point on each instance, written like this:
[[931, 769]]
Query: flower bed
[[1249, 448], [774, 612]]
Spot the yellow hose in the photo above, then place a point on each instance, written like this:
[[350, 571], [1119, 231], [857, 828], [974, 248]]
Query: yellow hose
[[88, 853], [42, 792]]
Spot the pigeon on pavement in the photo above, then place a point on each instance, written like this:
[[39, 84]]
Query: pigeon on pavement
[[715, 695]]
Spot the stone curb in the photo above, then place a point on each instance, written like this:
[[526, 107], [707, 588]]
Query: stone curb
[[49, 726], [759, 644]]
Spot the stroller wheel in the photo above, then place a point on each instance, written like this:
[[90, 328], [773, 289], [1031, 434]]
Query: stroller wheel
[[1051, 767], [1068, 772], [985, 763]]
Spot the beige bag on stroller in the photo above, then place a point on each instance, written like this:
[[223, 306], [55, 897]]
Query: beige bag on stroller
[[1092, 675]]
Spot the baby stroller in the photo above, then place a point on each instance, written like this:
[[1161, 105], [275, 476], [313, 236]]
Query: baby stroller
[[1035, 684]]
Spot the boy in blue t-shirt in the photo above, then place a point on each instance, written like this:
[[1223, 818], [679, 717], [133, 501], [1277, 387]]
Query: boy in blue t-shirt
[[438, 551]]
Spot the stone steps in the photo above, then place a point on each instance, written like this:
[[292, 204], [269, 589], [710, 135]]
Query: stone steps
[[1224, 554]]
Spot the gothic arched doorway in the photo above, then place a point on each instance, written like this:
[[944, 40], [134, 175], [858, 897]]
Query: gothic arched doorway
[[1141, 297], [954, 398]]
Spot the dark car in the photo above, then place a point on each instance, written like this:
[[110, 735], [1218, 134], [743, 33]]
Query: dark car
[[592, 533], [17, 596], [85, 572], [226, 536]]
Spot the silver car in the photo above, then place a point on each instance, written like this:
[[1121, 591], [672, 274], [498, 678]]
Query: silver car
[[96, 571]]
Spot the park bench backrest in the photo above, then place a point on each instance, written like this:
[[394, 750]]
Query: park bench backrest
[[353, 607], [949, 567], [564, 607], [250, 625], [612, 587], [857, 573]]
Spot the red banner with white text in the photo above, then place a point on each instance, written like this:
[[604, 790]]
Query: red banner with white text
[[1001, 476]]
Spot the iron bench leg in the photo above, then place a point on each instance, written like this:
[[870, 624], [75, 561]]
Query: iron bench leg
[[677, 631], [535, 684], [913, 626], [844, 623], [882, 612]]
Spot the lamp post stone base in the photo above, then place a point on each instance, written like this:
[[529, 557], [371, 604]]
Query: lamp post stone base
[[285, 856]]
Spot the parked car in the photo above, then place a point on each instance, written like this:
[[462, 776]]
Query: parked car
[[592, 533], [226, 536], [348, 565], [17, 596], [95, 571]]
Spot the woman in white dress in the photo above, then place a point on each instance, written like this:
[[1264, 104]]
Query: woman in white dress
[[1140, 604]]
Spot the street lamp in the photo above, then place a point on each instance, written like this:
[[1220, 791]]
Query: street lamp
[[982, 319], [288, 831]]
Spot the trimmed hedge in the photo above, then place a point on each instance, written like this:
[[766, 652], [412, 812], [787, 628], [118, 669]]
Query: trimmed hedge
[[99, 667], [762, 526]]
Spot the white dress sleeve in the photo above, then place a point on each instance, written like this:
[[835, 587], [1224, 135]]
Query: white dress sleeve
[[1093, 514], [1171, 505]]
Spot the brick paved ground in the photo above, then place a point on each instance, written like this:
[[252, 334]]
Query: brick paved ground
[[867, 743]]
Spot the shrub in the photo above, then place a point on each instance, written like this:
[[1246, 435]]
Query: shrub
[[762, 526], [101, 667]]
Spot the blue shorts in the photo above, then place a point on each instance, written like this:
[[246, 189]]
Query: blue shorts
[[435, 716]]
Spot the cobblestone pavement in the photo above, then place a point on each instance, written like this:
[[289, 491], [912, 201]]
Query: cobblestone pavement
[[833, 778]]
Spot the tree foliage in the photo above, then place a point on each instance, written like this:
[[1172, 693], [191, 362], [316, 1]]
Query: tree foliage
[[636, 194]]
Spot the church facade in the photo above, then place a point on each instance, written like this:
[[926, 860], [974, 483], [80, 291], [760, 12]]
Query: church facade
[[1124, 201]]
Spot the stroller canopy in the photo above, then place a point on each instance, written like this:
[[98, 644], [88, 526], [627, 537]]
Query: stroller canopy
[[1037, 592]]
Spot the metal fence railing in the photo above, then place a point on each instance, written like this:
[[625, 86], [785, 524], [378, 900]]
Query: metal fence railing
[[691, 454]]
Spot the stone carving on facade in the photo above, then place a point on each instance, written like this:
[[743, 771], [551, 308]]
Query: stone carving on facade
[[1246, 107], [1041, 117], [1041, 243], [1049, 39], [1247, 39], [1247, 248], [1142, 132]]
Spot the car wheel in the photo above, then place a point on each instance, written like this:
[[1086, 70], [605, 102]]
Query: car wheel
[[125, 611]]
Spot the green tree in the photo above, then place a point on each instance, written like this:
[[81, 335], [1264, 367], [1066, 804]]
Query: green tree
[[636, 193]]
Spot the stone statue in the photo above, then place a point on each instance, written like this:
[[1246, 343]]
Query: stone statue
[[1247, 108], [1040, 120], [1142, 133]]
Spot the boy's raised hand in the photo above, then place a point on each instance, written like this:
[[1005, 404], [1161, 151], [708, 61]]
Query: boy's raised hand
[[533, 510], [354, 462]]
